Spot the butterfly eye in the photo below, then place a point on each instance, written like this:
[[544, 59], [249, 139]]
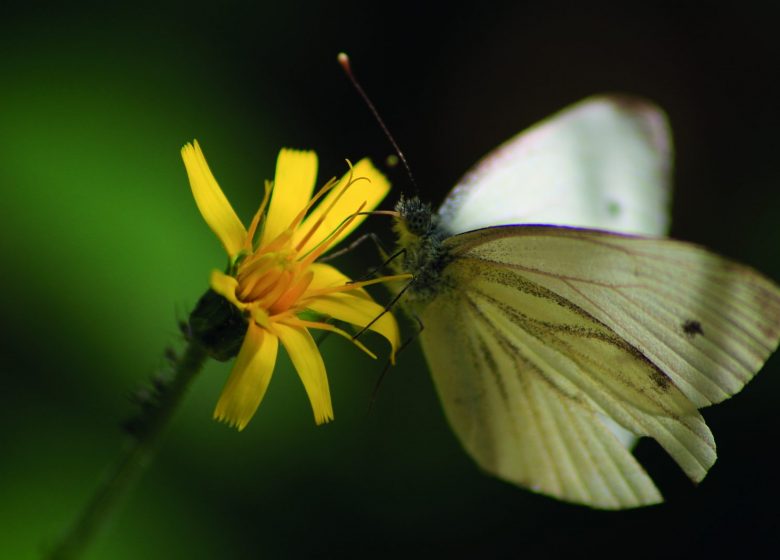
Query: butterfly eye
[[416, 215], [419, 223]]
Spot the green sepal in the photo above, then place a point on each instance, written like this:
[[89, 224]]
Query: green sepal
[[217, 326]]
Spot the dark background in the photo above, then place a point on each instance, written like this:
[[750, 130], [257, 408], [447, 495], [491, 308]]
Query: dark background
[[103, 249]]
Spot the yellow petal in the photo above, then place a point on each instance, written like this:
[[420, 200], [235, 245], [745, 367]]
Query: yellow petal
[[211, 201], [326, 276], [307, 360], [298, 322], [329, 280], [296, 175], [354, 306], [358, 310], [371, 189], [249, 379], [225, 286]]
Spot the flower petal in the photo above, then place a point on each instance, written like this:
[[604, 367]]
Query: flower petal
[[371, 189], [211, 201], [358, 310], [296, 175], [298, 322], [249, 379], [326, 276], [355, 306], [307, 360], [328, 280], [225, 286]]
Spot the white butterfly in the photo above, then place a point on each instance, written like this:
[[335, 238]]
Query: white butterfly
[[552, 346]]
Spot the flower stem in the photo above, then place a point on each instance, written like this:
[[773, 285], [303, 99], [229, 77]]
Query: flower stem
[[137, 454]]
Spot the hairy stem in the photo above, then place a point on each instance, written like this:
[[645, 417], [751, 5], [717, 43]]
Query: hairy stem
[[138, 453]]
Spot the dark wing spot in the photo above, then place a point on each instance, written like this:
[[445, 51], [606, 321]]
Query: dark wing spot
[[691, 328]]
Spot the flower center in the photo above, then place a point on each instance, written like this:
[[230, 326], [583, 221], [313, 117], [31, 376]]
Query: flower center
[[272, 281]]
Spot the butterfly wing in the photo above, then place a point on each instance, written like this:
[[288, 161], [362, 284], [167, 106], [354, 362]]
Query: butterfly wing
[[603, 163], [706, 321], [518, 420], [544, 335]]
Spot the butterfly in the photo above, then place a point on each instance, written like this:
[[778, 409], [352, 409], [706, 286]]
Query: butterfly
[[557, 321]]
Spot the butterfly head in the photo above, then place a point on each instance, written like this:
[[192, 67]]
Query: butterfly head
[[420, 241], [415, 217]]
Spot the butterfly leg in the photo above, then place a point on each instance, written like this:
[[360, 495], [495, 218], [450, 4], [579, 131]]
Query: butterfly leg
[[371, 273], [405, 343], [387, 308], [355, 244]]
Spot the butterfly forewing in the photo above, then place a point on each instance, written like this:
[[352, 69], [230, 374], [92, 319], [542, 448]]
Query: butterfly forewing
[[708, 323], [603, 163]]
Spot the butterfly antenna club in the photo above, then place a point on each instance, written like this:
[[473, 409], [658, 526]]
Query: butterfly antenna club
[[346, 66]]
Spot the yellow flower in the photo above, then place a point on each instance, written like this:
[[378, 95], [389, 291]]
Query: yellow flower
[[275, 281]]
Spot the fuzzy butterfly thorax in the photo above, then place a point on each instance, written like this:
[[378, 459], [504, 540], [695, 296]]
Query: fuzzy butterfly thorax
[[420, 238]]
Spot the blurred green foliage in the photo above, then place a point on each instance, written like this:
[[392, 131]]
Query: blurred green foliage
[[103, 249]]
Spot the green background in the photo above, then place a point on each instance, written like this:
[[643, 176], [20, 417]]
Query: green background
[[103, 250]]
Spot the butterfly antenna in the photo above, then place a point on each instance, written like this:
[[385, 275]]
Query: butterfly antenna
[[344, 61]]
